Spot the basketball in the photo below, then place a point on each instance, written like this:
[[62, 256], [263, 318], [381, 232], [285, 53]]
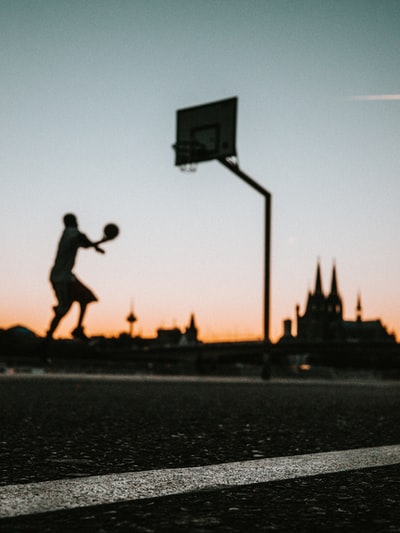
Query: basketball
[[111, 231]]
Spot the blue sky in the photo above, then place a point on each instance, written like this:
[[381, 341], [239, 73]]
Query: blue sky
[[88, 100]]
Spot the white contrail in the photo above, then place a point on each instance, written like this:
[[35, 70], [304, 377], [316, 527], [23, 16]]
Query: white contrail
[[374, 97]]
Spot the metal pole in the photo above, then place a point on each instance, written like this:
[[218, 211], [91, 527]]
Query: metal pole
[[267, 239], [267, 268]]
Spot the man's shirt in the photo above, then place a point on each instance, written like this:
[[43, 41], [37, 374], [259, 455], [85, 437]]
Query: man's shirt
[[70, 241]]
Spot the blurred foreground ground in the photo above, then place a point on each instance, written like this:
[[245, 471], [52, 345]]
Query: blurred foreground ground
[[56, 427]]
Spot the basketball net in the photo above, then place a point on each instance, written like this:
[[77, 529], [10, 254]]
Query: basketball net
[[186, 151], [188, 167]]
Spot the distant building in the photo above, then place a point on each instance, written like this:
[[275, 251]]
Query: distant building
[[323, 320], [174, 336], [190, 334]]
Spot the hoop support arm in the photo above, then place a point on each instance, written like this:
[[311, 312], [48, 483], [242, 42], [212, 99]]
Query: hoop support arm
[[267, 238]]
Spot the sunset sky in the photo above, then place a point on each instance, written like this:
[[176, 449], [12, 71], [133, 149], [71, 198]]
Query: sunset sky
[[89, 93]]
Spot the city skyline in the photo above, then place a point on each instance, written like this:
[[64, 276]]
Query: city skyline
[[356, 313], [89, 96]]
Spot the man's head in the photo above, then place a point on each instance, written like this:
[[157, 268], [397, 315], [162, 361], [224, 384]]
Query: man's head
[[70, 221]]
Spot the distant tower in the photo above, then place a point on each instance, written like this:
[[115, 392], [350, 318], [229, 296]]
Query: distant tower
[[334, 309], [334, 301], [312, 324], [131, 318], [359, 308], [318, 283], [191, 331]]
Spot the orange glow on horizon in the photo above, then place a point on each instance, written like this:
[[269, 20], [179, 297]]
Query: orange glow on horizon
[[110, 326], [217, 320]]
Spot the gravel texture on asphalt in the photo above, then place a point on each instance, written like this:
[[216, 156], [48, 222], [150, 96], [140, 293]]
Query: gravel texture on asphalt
[[60, 429]]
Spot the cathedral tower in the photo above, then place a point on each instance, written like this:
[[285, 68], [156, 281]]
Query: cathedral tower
[[323, 314], [334, 301], [312, 324]]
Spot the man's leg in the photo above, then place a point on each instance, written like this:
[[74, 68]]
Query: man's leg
[[60, 310], [78, 332], [82, 313], [84, 296], [53, 325]]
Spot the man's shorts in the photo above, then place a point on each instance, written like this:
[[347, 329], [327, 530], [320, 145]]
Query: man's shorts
[[69, 292]]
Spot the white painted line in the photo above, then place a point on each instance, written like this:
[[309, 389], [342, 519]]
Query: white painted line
[[162, 378], [62, 494]]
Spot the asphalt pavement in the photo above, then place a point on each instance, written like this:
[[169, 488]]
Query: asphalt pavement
[[57, 428]]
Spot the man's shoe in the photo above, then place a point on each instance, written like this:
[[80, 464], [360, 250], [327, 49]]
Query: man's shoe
[[78, 333]]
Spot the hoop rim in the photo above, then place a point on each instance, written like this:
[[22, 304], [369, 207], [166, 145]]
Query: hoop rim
[[189, 152]]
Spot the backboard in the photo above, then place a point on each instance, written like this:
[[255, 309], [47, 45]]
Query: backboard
[[206, 132]]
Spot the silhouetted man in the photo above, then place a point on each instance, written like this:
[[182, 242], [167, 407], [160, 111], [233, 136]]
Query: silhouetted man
[[67, 287]]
